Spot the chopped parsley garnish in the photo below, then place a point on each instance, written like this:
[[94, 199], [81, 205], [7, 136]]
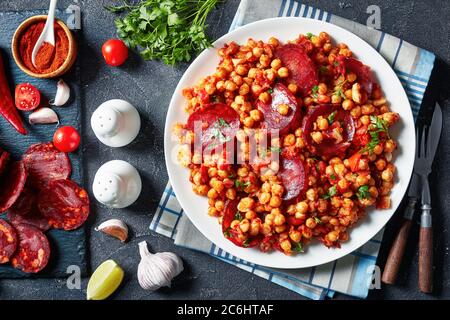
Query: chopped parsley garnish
[[338, 91], [241, 185], [363, 192], [275, 149], [331, 193], [323, 69], [227, 233], [331, 117], [333, 177], [223, 123], [238, 216], [314, 91], [377, 126], [270, 90], [335, 63], [309, 35], [297, 247], [215, 99], [246, 243], [317, 220]]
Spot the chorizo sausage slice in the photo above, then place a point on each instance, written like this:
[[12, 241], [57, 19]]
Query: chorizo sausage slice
[[12, 184], [8, 241]]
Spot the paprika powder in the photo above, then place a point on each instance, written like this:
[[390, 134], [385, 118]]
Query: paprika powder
[[49, 58]]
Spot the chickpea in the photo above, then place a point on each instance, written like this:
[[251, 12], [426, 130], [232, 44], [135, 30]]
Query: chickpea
[[307, 233], [244, 225], [389, 146], [255, 227], [230, 194], [237, 80], [276, 64], [273, 42], [269, 219], [264, 97], [379, 102], [293, 88], [367, 109], [343, 184], [322, 88], [219, 205], [289, 140], [348, 94], [264, 197], [270, 74], [221, 73], [266, 229], [311, 223], [252, 73], [317, 137], [277, 190], [241, 70], [380, 164], [230, 85], [334, 221], [244, 89], [339, 169], [256, 115], [217, 185], [286, 246], [333, 236], [322, 123], [275, 201], [283, 109], [348, 104], [213, 212], [256, 89], [251, 215], [249, 122], [378, 149], [201, 190], [356, 112], [365, 120], [387, 175], [362, 180], [212, 194], [351, 77], [295, 235], [283, 72], [264, 60], [257, 52], [279, 220], [311, 194], [302, 207], [336, 99]]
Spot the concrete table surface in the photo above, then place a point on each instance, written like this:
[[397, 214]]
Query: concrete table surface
[[149, 85]]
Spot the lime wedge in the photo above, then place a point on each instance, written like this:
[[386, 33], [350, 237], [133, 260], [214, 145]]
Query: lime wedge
[[104, 281]]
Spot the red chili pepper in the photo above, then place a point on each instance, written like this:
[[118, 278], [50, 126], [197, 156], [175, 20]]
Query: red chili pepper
[[7, 108]]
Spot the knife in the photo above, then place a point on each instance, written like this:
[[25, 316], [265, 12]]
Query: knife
[[398, 247], [428, 147]]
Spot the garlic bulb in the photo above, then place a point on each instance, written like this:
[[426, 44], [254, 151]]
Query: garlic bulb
[[157, 270], [43, 116], [115, 228], [62, 94]]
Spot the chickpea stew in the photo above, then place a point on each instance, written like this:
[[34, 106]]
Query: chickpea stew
[[289, 142]]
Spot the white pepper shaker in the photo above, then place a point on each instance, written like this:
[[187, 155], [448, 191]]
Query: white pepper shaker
[[117, 184], [116, 123]]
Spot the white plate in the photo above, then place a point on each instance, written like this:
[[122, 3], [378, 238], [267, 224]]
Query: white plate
[[288, 29]]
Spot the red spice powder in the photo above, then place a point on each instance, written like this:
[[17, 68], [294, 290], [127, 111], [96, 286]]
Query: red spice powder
[[49, 58]]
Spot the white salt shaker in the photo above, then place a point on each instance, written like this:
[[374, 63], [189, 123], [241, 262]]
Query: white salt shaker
[[117, 184], [116, 123]]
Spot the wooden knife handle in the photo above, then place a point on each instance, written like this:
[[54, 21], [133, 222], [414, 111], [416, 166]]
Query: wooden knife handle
[[426, 259], [396, 254]]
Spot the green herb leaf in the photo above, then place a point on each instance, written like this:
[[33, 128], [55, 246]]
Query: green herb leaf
[[275, 149], [314, 91], [297, 247], [241, 185], [223, 123], [171, 31], [309, 35], [270, 90], [227, 233], [331, 193], [317, 220], [363, 192], [246, 243], [323, 69], [331, 117], [377, 125], [238, 216], [333, 177]]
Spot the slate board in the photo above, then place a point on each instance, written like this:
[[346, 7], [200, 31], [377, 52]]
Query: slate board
[[67, 247]]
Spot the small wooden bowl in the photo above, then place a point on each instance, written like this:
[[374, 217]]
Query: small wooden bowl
[[71, 56]]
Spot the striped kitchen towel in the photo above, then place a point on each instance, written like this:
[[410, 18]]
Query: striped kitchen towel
[[352, 274]]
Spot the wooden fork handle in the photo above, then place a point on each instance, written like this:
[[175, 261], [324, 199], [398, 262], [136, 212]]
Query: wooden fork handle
[[426, 259], [396, 253]]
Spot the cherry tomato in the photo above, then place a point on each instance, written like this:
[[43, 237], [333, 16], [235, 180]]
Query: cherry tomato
[[27, 97], [115, 52], [66, 139]]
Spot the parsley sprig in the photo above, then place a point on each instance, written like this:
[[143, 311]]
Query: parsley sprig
[[297, 247], [314, 91], [377, 126], [168, 30], [331, 193], [331, 117], [363, 192]]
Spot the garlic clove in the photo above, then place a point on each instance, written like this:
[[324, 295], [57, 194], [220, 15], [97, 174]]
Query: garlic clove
[[157, 270], [115, 228], [62, 94], [43, 116]]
